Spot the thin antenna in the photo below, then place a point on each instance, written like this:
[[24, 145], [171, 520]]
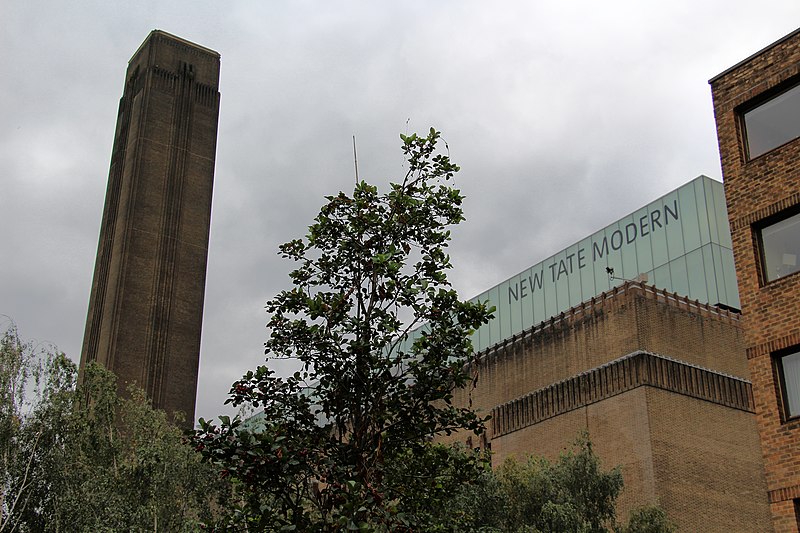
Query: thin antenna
[[355, 158]]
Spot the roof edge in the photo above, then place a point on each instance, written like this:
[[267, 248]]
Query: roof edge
[[752, 56], [175, 38]]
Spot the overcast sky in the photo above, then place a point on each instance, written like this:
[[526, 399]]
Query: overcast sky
[[564, 116]]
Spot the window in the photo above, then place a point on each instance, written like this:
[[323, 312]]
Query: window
[[780, 248], [773, 123], [789, 373], [797, 511]]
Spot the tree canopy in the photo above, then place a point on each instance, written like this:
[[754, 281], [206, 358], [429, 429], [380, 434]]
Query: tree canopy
[[371, 270], [79, 458]]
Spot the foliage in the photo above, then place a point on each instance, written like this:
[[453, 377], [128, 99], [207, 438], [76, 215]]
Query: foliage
[[572, 494], [432, 480], [128, 468], [371, 269], [82, 459], [649, 519], [35, 401]]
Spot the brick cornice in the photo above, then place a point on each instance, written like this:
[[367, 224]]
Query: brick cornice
[[765, 212], [621, 375], [766, 348], [607, 301], [783, 494], [755, 88]]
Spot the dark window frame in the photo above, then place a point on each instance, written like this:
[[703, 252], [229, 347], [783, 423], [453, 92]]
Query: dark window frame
[[757, 228], [797, 511], [757, 102], [780, 383]]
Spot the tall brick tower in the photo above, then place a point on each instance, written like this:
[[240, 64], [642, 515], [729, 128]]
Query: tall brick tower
[[757, 109], [146, 304]]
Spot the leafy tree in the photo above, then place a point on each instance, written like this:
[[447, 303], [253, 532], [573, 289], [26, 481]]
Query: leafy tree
[[36, 385], [649, 519], [371, 269], [570, 495], [128, 468], [82, 459], [433, 481]]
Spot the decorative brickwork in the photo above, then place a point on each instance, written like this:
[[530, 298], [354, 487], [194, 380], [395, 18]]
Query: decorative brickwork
[[786, 493], [615, 298], [758, 189], [624, 374]]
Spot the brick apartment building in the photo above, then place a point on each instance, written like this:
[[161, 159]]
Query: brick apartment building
[[757, 109]]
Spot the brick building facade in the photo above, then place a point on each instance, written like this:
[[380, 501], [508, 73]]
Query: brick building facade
[[146, 304], [757, 110], [660, 383]]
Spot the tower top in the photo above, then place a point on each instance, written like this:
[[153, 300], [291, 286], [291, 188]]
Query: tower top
[[164, 52], [169, 36]]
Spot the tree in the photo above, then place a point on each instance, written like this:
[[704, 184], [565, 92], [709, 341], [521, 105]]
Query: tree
[[36, 384], [128, 468], [570, 495], [649, 519], [371, 269], [82, 459]]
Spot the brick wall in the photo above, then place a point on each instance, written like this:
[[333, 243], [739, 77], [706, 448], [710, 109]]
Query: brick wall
[[630, 318], [676, 423], [756, 190], [698, 459], [146, 305], [707, 466]]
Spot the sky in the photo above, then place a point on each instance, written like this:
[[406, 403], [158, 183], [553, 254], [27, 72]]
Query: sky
[[564, 117]]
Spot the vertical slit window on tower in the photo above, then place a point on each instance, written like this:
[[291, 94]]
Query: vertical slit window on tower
[[780, 248], [773, 123], [789, 372]]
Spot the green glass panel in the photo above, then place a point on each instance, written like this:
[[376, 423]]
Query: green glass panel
[[661, 278], [599, 257], [669, 217], [514, 304], [721, 212], [527, 302], [575, 289], [550, 296], [588, 288], [711, 279], [538, 281], [689, 218], [697, 277], [483, 333], [679, 275], [700, 185], [644, 247], [729, 272], [725, 275], [505, 317], [560, 272], [658, 241], [494, 330], [713, 219]]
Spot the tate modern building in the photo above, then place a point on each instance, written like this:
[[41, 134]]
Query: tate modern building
[[680, 243]]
